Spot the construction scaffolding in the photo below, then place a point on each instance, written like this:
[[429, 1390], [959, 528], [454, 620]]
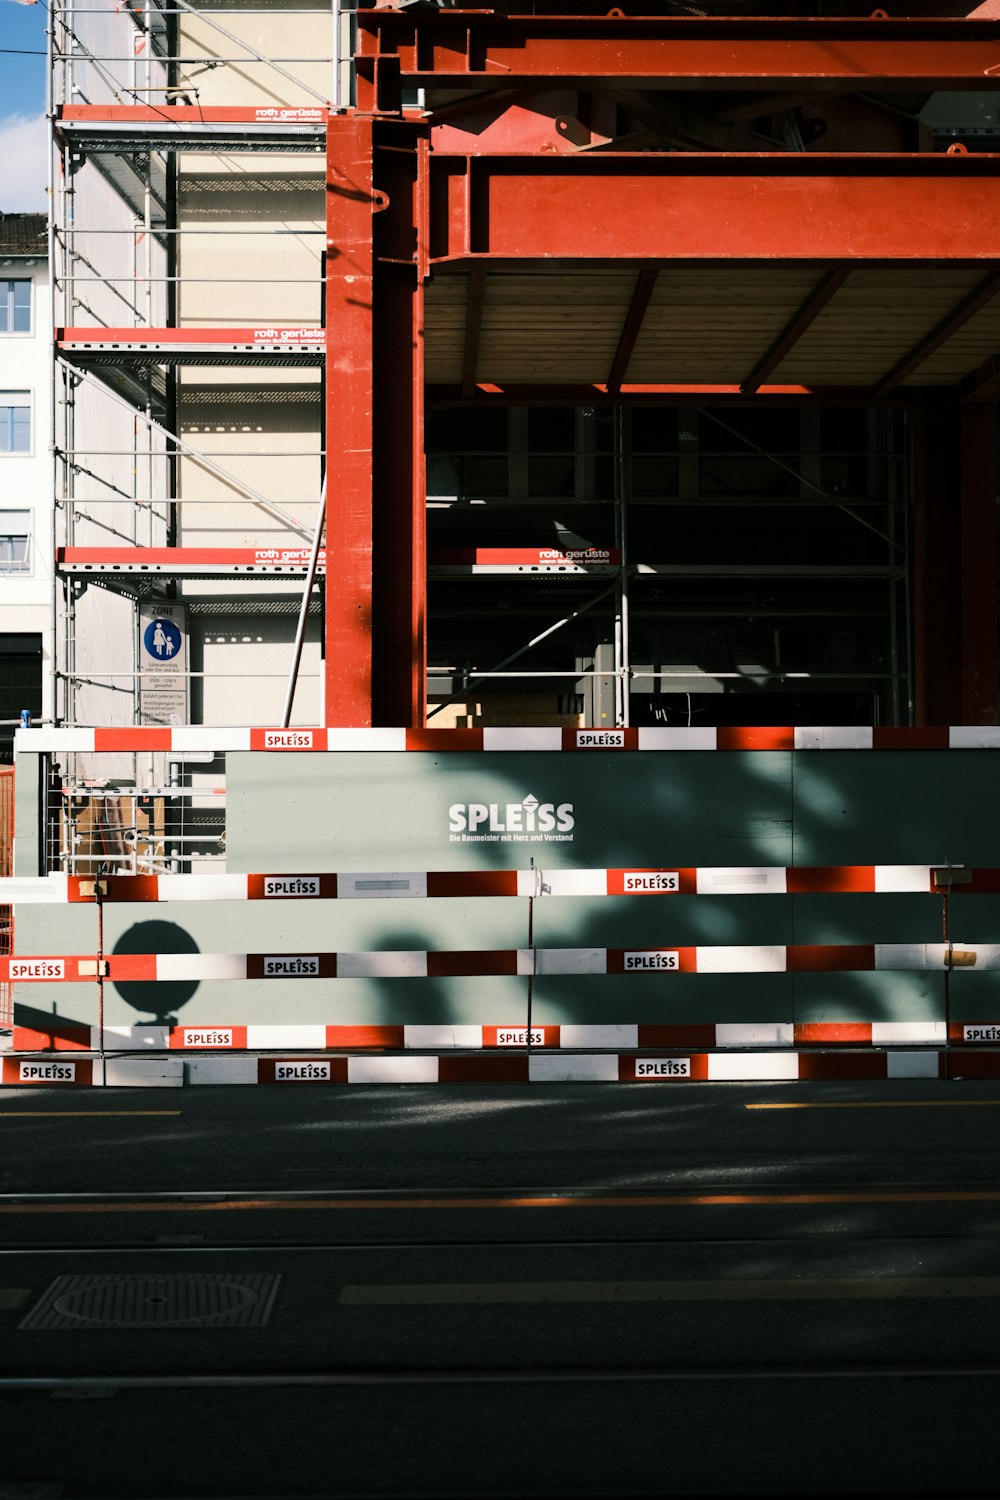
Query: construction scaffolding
[[642, 351]]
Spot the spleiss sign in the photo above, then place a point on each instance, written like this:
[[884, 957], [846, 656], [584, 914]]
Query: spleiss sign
[[525, 822]]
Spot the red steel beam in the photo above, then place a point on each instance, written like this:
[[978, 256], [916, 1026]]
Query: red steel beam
[[436, 51], [690, 206]]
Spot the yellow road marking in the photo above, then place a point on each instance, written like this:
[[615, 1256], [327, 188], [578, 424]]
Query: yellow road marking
[[889, 1104], [825, 1289], [77, 1114]]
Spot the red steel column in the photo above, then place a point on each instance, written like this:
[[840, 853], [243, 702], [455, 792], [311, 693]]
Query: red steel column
[[398, 473], [349, 261], [375, 569], [956, 568]]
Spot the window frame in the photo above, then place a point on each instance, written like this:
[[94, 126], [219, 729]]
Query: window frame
[[28, 535], [8, 296], [11, 401]]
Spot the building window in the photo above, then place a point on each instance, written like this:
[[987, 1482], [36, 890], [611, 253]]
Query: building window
[[15, 306], [15, 422], [15, 541], [20, 685]]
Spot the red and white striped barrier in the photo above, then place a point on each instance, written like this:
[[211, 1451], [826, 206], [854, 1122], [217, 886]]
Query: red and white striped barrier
[[752, 880], [204, 737], [418, 963], [615, 1036], [690, 1067]]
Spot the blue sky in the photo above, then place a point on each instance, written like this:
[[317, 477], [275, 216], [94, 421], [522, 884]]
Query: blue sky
[[22, 106]]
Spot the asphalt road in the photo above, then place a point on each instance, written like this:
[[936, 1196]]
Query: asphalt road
[[547, 1291]]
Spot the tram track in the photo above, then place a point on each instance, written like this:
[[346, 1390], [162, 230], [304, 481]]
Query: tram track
[[111, 1383], [531, 1196], [319, 1247]]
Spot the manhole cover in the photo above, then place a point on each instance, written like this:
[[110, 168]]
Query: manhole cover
[[186, 1301]]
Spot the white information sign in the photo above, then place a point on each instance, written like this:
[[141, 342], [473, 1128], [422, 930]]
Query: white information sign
[[163, 660]]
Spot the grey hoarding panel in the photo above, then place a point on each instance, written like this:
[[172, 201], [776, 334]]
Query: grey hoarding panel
[[886, 996], [975, 996], [27, 823], [399, 811], [913, 807], [867, 919], [55, 929], [649, 999], [323, 926], [660, 921]]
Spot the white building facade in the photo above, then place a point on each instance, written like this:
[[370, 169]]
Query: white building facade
[[26, 492]]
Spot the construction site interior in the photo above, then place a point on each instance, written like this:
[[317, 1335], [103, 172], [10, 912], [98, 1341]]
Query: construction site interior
[[643, 362]]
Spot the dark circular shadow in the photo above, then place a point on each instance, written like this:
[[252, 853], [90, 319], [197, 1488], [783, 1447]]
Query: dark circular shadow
[[162, 997]]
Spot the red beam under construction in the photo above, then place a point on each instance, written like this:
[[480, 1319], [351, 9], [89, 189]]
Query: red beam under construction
[[375, 524], [395, 207], [875, 54], [680, 206]]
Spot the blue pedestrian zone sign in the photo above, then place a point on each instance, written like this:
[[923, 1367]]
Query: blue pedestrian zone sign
[[162, 640]]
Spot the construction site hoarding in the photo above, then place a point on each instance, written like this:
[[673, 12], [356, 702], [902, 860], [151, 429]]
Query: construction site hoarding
[[472, 882]]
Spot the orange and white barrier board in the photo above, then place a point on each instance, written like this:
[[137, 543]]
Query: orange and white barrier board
[[387, 885], [614, 1036], [536, 1068], [421, 963], [51, 740]]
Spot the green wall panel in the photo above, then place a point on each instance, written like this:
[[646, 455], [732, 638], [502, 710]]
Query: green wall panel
[[394, 813], [391, 812], [908, 807]]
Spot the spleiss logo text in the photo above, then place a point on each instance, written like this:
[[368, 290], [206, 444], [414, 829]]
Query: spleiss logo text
[[528, 821]]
